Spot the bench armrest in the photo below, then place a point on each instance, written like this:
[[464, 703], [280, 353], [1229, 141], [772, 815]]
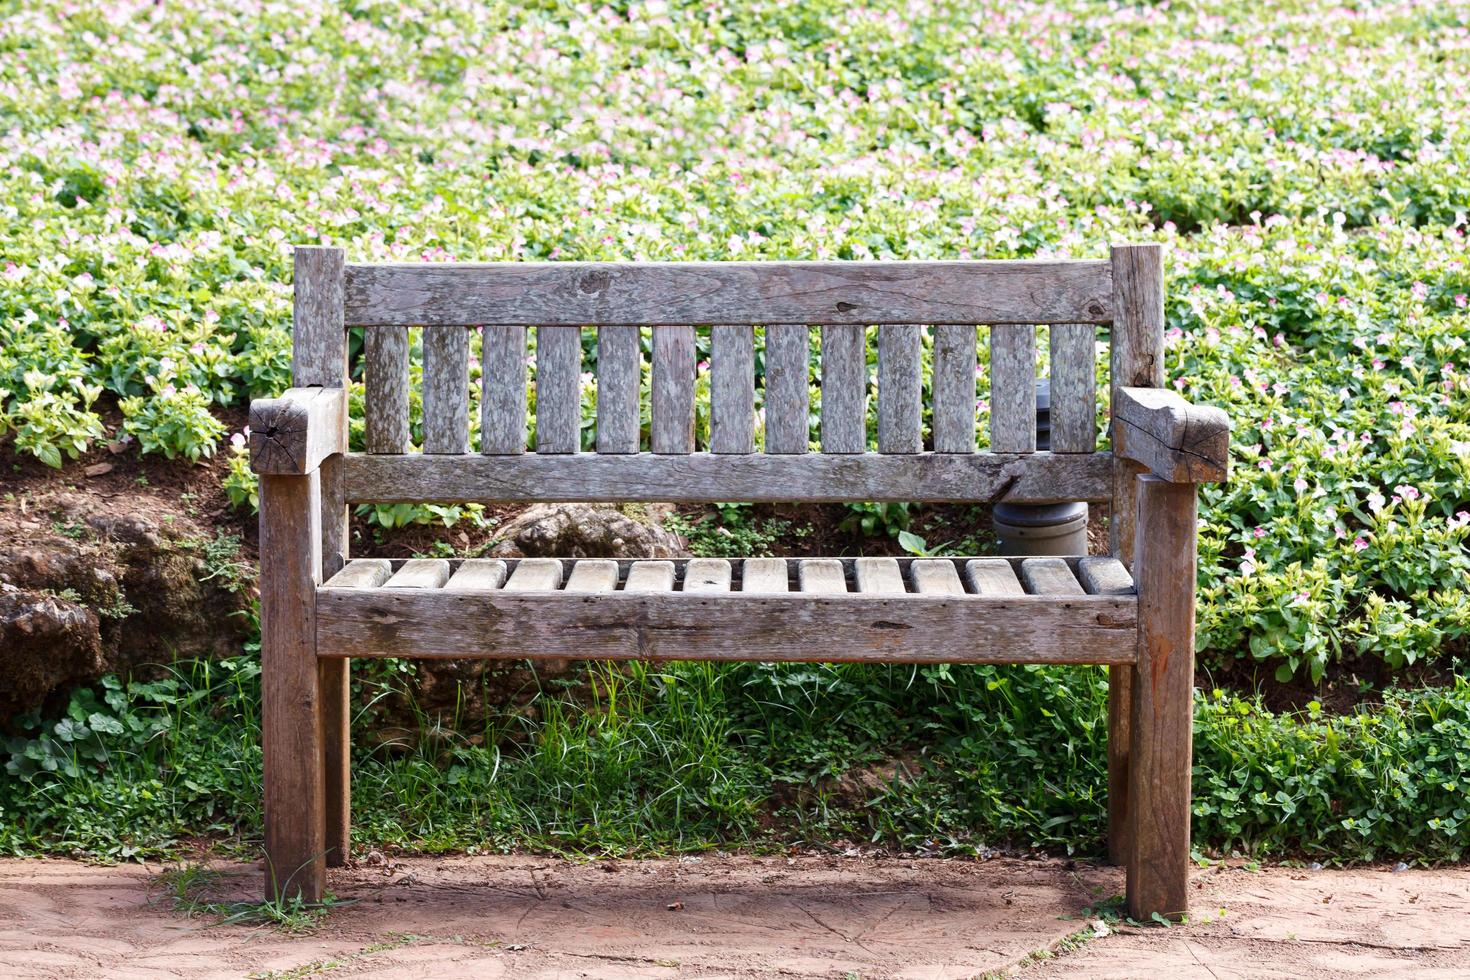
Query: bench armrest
[[292, 434], [1177, 441]]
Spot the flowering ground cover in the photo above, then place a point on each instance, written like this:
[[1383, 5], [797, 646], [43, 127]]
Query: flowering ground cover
[[1305, 163]]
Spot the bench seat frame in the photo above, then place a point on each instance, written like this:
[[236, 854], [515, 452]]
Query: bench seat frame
[[1162, 447]]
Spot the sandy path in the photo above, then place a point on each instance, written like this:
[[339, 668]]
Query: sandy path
[[738, 917]]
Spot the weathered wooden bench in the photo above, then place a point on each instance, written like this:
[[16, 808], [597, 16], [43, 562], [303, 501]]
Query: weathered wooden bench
[[1133, 610]]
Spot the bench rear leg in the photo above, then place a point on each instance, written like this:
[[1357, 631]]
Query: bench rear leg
[[335, 678], [1120, 724], [1162, 700], [291, 715]]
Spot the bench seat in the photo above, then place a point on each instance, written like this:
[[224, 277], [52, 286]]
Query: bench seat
[[950, 610]]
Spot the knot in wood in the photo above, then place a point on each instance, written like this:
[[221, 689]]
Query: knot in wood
[[846, 307], [595, 282]]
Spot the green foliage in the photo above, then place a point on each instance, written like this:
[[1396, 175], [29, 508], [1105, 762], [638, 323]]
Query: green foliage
[[696, 755]]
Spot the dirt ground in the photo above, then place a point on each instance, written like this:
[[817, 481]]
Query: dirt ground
[[741, 917]]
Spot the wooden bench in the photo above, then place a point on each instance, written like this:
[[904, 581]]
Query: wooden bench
[[1133, 611]]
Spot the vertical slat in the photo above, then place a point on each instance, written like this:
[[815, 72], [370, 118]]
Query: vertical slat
[[291, 722], [672, 398], [900, 388], [558, 389], [319, 358], [446, 390], [503, 391], [1012, 388], [788, 388], [1073, 388], [1137, 360], [1162, 703], [878, 575], [764, 575], [618, 361], [732, 389], [844, 389], [954, 389], [385, 369]]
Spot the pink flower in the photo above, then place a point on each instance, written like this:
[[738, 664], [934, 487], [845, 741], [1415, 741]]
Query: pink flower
[[1360, 544], [1300, 485], [1259, 532], [1406, 491]]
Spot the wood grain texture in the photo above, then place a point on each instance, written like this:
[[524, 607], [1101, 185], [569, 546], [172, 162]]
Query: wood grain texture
[[503, 391], [878, 575], [671, 402], [361, 573], [727, 626], [1162, 704], [1137, 354], [535, 575], [900, 388], [788, 388], [660, 293], [732, 389], [1013, 388], [1049, 576], [992, 577], [953, 388], [764, 575], [478, 573], [294, 433], [558, 389], [593, 575], [824, 575], [933, 576], [1176, 440], [619, 361], [1104, 575], [1120, 735], [319, 348], [385, 400], [844, 389], [707, 575], [1073, 388], [420, 573], [291, 717], [447, 390], [650, 576], [704, 477]]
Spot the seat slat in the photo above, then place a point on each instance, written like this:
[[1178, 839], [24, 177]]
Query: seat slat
[[707, 575], [1049, 576], [558, 389], [385, 382], [936, 576], [618, 378], [1104, 576], [650, 576], [821, 575], [764, 575], [732, 389], [361, 573], [593, 575], [954, 388], [447, 390], [878, 575], [788, 388], [672, 399], [900, 388], [992, 577], [535, 575], [1073, 388], [1013, 388], [844, 389], [860, 293], [420, 573], [478, 573], [503, 391]]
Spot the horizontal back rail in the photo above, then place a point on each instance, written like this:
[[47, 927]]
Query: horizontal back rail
[[706, 478], [672, 293]]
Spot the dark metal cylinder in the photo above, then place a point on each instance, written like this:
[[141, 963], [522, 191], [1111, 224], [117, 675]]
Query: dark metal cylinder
[[1041, 529]]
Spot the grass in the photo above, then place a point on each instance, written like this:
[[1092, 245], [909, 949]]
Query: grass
[[196, 890]]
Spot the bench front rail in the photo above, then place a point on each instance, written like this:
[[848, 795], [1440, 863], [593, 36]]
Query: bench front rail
[[1132, 610]]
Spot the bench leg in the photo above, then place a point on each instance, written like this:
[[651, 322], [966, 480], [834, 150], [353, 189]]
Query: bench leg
[[1162, 700], [1120, 724], [336, 759], [291, 715]]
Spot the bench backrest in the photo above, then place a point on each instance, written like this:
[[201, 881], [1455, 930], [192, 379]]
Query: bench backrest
[[739, 460]]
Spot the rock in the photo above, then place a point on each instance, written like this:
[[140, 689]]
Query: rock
[[99, 589], [589, 531]]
